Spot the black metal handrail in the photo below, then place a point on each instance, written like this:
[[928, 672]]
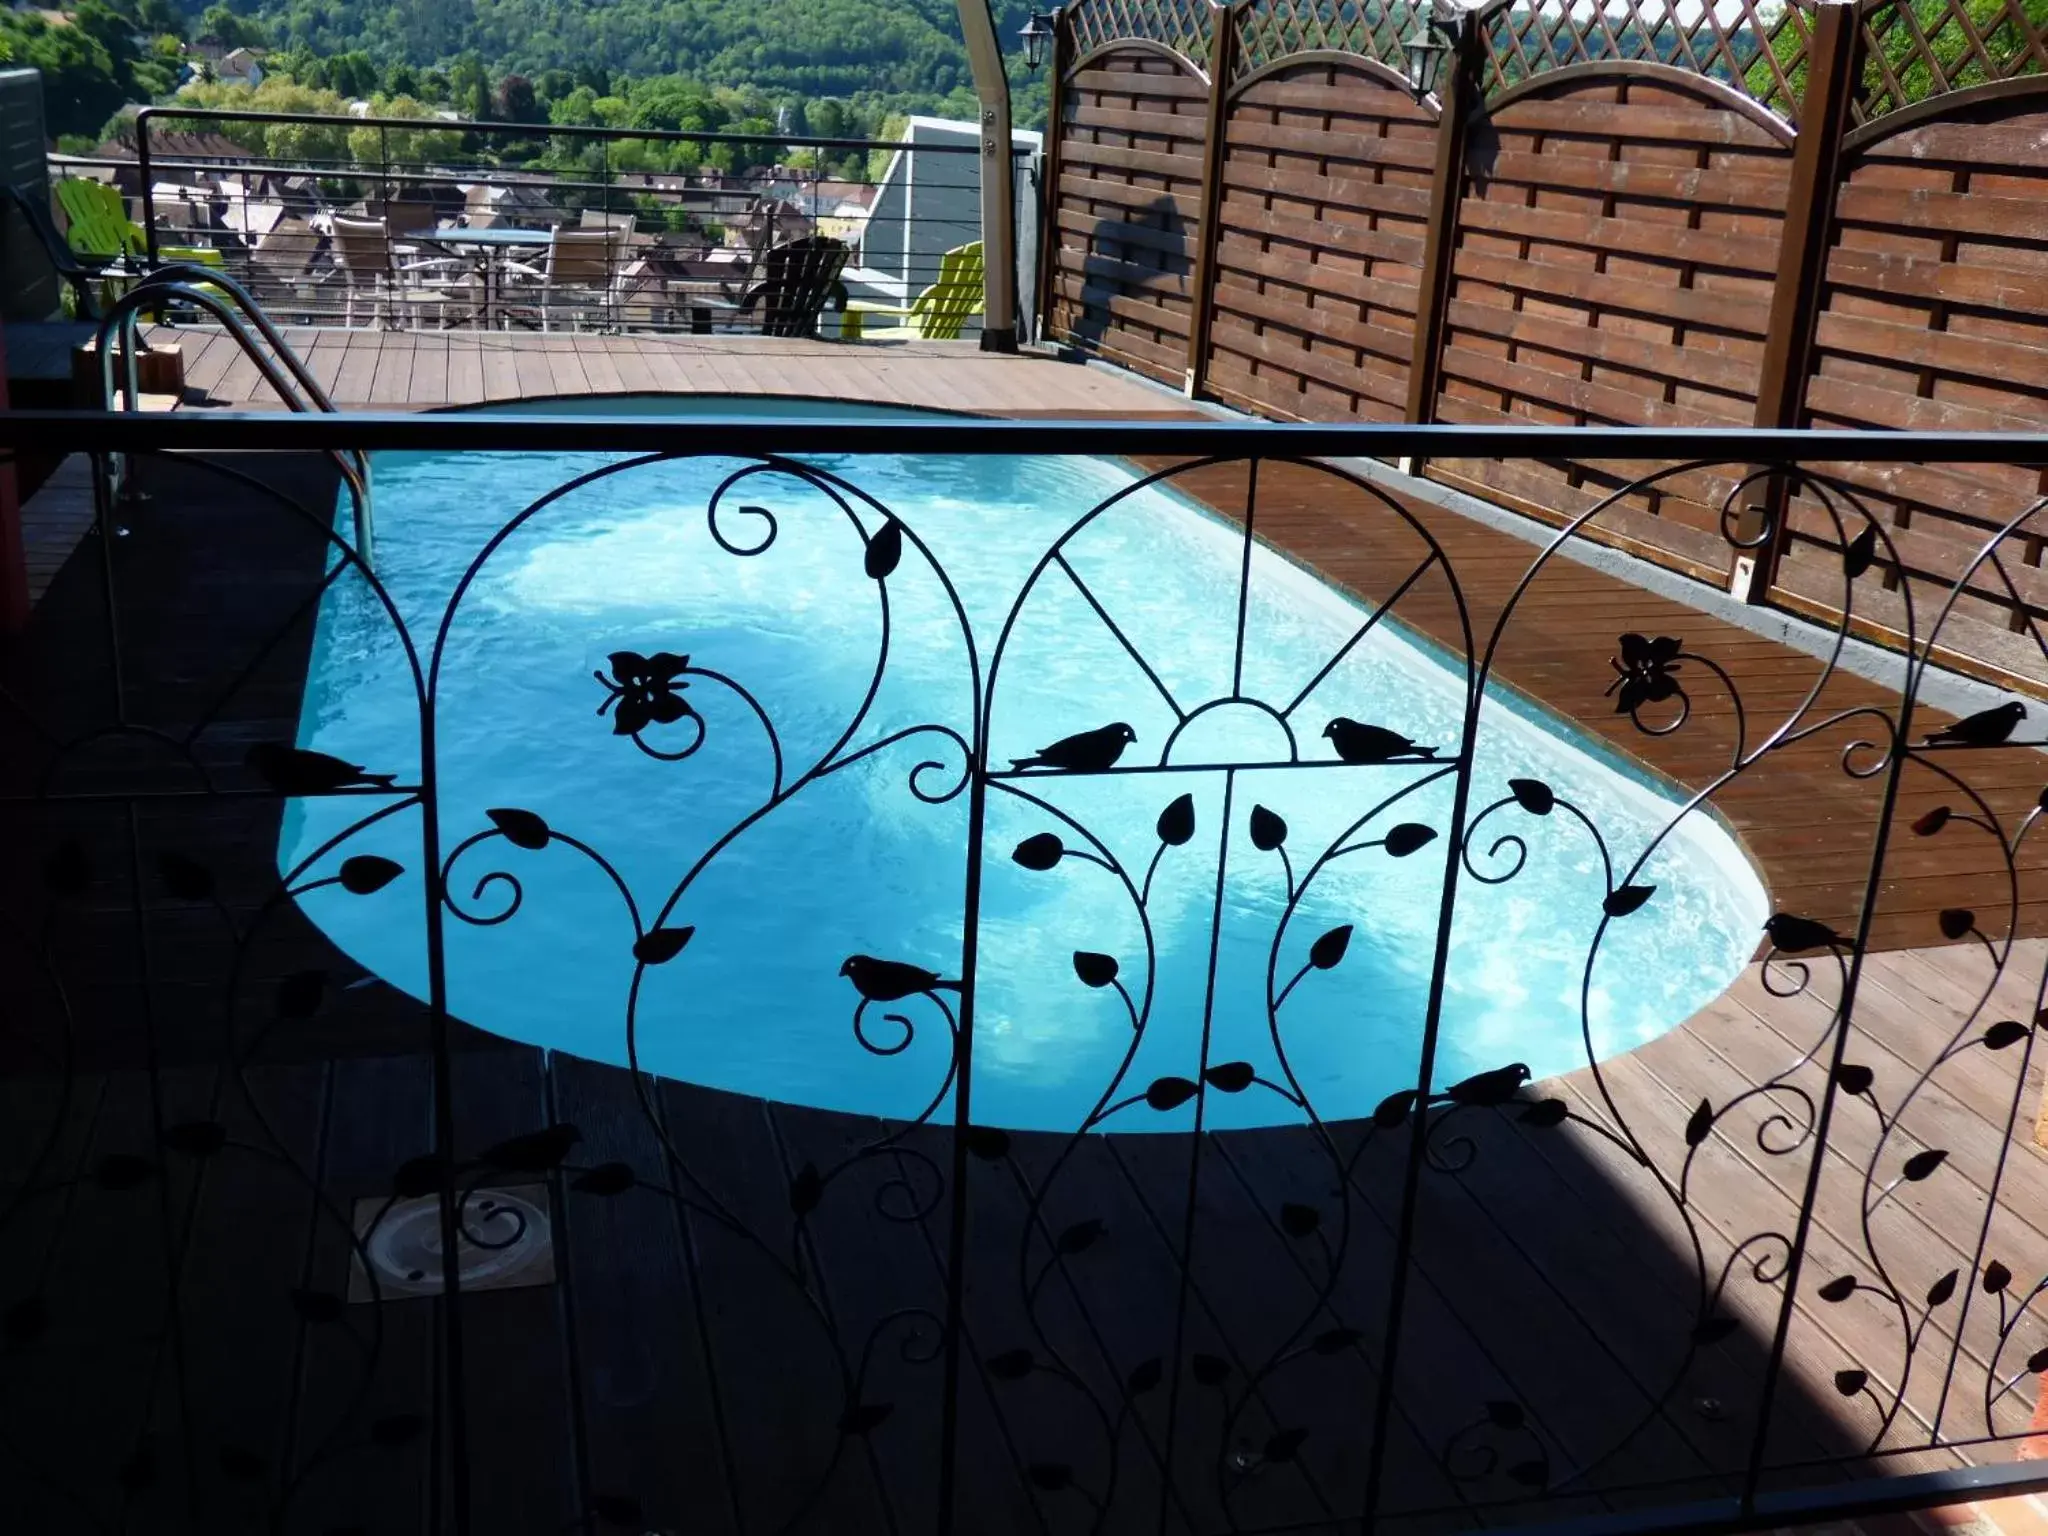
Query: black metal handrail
[[485, 430]]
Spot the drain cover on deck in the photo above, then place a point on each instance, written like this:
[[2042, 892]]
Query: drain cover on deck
[[507, 1241]]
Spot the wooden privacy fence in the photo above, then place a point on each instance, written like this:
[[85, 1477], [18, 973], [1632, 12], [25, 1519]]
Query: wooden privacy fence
[[1670, 213]]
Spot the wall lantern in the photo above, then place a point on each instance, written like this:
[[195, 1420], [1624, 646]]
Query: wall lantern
[[1426, 49], [1037, 34]]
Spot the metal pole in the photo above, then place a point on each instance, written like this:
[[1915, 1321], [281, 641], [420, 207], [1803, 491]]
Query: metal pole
[[998, 179], [142, 171]]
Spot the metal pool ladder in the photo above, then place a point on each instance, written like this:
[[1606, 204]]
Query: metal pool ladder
[[229, 302]]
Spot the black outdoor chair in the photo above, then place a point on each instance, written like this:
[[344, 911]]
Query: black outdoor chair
[[800, 277], [86, 278]]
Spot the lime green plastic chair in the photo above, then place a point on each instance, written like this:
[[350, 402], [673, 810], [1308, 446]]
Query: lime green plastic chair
[[98, 227], [942, 310]]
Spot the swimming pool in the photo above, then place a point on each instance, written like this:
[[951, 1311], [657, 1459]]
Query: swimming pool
[[871, 860]]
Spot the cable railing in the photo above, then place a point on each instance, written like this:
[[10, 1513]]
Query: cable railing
[[411, 222]]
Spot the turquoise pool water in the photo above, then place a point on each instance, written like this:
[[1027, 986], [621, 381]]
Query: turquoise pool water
[[857, 864]]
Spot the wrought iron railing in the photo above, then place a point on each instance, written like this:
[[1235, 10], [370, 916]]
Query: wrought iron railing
[[1785, 1272]]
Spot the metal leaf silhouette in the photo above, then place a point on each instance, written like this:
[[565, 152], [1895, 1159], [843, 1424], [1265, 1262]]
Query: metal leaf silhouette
[[1081, 1236], [24, 1320], [1503, 1414], [1711, 1330], [184, 877], [67, 871], [1921, 1164], [2037, 1362], [1624, 899], [1853, 1077], [317, 1306], [533, 1151], [988, 1143], [1210, 1370], [1328, 950], [1702, 1121], [658, 946], [1841, 1288], [196, 1138], [1269, 829], [417, 1177], [1533, 796], [299, 995], [604, 1179], [1394, 1109], [1170, 1092], [1861, 551], [1051, 1476], [1177, 822], [1095, 970], [1943, 1288], [522, 829], [806, 1190], [1407, 837], [123, 1170], [1996, 1277], [1298, 1220], [862, 1417], [367, 872], [1230, 1076], [2004, 1033], [1145, 1375], [138, 1471], [885, 550], [1286, 1444], [1545, 1112], [1011, 1364], [1336, 1341], [1932, 822], [1040, 851], [1849, 1383], [1956, 922]]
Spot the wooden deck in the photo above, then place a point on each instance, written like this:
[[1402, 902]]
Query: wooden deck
[[686, 1370], [424, 369]]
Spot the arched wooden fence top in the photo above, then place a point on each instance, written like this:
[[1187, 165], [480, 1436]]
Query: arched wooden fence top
[[1717, 93], [1182, 27], [1144, 46], [1336, 58]]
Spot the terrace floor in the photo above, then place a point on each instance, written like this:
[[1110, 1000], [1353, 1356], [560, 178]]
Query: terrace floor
[[683, 1369]]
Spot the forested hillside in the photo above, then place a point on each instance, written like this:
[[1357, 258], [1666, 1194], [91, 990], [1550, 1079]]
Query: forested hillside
[[818, 48]]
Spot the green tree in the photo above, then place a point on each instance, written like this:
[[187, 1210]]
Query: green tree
[[231, 30], [517, 101], [402, 80]]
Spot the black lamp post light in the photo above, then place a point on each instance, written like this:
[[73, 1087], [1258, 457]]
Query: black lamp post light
[[1037, 34], [1436, 30]]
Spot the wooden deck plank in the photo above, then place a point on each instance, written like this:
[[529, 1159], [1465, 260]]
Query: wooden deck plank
[[515, 1340], [780, 1379], [500, 370], [391, 384], [378, 1363], [358, 371], [465, 370], [429, 382], [651, 1427]]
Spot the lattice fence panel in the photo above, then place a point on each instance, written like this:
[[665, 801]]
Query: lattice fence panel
[[1925, 48], [1182, 25], [1756, 46], [1273, 29]]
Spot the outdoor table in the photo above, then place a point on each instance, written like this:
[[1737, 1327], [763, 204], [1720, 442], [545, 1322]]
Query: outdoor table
[[489, 247]]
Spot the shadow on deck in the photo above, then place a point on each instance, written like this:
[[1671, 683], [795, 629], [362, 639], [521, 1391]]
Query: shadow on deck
[[744, 1328]]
